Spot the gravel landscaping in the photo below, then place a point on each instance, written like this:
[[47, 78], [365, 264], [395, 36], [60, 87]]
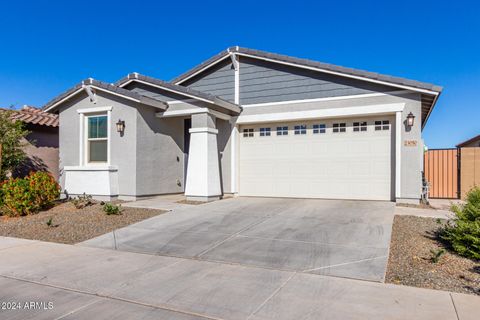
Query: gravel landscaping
[[410, 262], [70, 225]]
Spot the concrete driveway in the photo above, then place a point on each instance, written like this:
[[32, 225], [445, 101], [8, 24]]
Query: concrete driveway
[[337, 238]]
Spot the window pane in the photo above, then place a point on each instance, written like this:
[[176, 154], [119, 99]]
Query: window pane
[[97, 151], [97, 127], [92, 127], [102, 127]]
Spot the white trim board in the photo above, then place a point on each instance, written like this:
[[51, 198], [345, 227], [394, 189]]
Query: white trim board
[[204, 68], [64, 99], [322, 113], [189, 112], [94, 110], [166, 89], [398, 153], [356, 96]]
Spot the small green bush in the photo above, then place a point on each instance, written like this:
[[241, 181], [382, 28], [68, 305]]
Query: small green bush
[[111, 208], [463, 231], [23, 196]]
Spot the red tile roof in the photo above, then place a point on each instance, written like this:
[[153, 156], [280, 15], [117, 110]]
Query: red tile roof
[[34, 115]]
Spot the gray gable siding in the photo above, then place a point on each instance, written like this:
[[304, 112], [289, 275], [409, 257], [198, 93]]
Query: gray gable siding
[[219, 81], [262, 81], [155, 93]]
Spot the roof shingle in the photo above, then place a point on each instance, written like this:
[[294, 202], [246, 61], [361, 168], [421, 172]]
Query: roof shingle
[[29, 114]]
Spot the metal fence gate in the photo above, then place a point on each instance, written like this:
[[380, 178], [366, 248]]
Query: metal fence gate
[[441, 167]]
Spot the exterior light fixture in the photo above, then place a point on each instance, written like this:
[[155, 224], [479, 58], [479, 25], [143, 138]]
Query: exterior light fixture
[[120, 126], [410, 119]]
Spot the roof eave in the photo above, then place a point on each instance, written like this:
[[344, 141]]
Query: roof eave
[[468, 141], [183, 91], [105, 87]]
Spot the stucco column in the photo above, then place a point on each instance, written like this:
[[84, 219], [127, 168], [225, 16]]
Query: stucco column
[[203, 172]]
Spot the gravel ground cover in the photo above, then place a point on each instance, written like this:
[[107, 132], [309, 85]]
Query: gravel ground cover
[[410, 262], [70, 225]]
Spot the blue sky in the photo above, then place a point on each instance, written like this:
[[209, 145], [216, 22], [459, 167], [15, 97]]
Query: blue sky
[[48, 46]]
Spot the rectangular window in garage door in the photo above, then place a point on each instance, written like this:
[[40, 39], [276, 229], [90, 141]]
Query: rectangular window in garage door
[[339, 127], [282, 131]]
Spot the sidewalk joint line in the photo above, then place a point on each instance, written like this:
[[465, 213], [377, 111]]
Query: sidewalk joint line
[[344, 264], [162, 307], [454, 306], [77, 309], [271, 296], [263, 219]]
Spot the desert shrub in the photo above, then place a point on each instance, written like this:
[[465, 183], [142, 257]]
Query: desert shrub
[[23, 196], [82, 201], [463, 231], [110, 208]]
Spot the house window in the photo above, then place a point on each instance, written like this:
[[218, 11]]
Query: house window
[[264, 132], [339, 127], [359, 126], [301, 129], [97, 138], [247, 133], [319, 128], [382, 125], [282, 131]]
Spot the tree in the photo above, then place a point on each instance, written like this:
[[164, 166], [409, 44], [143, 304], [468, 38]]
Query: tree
[[12, 135]]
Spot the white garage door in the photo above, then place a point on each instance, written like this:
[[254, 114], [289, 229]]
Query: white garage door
[[332, 159]]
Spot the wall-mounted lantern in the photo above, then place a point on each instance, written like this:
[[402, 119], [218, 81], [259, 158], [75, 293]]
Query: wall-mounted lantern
[[120, 126], [410, 119]]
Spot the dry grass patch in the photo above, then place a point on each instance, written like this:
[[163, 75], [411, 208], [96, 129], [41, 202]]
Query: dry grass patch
[[413, 248]]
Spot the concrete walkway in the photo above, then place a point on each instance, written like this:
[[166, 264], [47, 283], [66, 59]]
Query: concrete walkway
[[166, 202], [91, 283], [425, 213]]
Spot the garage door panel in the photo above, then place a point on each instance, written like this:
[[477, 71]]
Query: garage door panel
[[350, 165]]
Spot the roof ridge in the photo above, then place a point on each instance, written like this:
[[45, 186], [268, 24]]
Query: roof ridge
[[348, 71]]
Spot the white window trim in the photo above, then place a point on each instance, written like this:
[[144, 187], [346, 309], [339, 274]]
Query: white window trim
[[95, 110], [83, 145]]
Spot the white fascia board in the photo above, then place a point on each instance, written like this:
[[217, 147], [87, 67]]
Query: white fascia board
[[63, 100], [322, 113], [203, 69], [355, 96], [339, 74], [429, 112], [96, 88], [94, 110], [189, 112], [167, 89]]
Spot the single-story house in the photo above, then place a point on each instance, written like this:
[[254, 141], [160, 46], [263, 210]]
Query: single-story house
[[249, 123], [41, 144], [470, 143]]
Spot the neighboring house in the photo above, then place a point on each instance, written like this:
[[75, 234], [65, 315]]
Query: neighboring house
[[249, 123], [469, 155], [472, 142], [42, 141]]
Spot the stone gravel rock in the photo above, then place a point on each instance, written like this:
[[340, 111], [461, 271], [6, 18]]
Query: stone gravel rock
[[71, 225], [410, 262]]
